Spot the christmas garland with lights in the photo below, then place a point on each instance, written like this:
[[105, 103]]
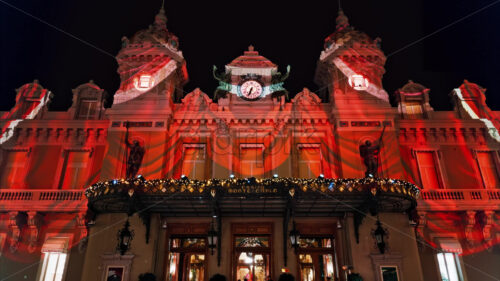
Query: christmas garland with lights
[[213, 186]]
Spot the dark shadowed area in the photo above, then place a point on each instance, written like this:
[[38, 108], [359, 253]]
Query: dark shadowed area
[[215, 32]]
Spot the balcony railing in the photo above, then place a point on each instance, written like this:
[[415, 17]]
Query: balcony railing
[[42, 200], [459, 199]]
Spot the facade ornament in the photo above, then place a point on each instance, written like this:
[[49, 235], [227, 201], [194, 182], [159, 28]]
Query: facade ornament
[[370, 153], [81, 225], [33, 232], [15, 232], [419, 230], [196, 100], [279, 126], [135, 155], [125, 41], [222, 127], [470, 222], [488, 225], [306, 98]]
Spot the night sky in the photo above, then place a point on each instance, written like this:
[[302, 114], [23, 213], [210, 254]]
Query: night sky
[[215, 32]]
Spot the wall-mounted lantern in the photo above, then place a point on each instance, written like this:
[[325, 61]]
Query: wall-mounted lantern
[[379, 233], [294, 236], [212, 236], [125, 236]]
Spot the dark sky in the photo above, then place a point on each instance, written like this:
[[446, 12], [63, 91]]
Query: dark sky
[[215, 32]]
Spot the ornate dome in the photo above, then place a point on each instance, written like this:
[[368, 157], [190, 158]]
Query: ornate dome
[[345, 34], [156, 33]]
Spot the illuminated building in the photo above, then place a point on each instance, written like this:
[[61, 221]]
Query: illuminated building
[[250, 183]]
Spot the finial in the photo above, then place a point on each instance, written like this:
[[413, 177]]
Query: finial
[[342, 21], [161, 18], [340, 6], [250, 48]]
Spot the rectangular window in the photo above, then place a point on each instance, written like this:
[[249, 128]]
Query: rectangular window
[[449, 267], [55, 259], [488, 168], [193, 162], [144, 81], [87, 109], [309, 161], [428, 169], [75, 173], [252, 160], [414, 110], [14, 168]]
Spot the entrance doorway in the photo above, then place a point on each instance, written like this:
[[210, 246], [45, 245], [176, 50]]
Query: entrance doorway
[[251, 255], [316, 267], [252, 266], [317, 260], [187, 259]]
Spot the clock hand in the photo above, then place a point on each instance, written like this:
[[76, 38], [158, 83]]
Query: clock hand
[[250, 92]]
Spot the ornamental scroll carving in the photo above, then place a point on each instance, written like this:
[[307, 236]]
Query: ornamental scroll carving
[[196, 100], [306, 99]]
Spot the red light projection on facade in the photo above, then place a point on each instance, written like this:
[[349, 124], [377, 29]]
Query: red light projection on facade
[[31, 99]]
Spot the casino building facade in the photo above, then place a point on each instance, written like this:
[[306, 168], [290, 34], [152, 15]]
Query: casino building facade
[[248, 182]]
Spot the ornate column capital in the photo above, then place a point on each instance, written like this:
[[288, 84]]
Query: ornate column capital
[[15, 232], [488, 221], [33, 231], [470, 222]]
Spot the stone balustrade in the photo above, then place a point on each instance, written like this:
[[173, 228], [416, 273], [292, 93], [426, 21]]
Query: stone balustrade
[[42, 200], [459, 199]]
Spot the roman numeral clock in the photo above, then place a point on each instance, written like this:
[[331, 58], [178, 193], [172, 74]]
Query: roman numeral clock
[[250, 78]]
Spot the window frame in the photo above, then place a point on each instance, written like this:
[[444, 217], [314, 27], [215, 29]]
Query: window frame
[[27, 163], [87, 116], [457, 263], [496, 162], [64, 161], [196, 146], [439, 170], [42, 269], [252, 146], [309, 145]]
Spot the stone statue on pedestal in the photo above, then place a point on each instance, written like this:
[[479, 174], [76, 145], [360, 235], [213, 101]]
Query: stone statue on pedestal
[[370, 153], [135, 156]]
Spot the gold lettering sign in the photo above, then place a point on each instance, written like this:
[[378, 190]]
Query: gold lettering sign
[[251, 190]]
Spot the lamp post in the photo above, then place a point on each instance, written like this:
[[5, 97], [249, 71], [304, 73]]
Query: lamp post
[[379, 234], [125, 236], [294, 236], [212, 238]]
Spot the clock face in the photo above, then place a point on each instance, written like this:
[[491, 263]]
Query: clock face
[[251, 89]]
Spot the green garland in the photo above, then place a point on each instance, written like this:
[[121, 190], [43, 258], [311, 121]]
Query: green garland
[[292, 185]]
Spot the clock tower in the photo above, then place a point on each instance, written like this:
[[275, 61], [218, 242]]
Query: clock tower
[[251, 79]]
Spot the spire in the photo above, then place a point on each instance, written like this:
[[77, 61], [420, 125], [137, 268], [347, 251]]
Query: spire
[[342, 21], [161, 18]]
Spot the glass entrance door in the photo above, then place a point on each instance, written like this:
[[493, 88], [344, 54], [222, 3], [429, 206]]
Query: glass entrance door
[[195, 267], [252, 266], [316, 267], [186, 267], [317, 260], [186, 259]]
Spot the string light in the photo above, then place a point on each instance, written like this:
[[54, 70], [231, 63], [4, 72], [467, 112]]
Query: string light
[[319, 184]]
